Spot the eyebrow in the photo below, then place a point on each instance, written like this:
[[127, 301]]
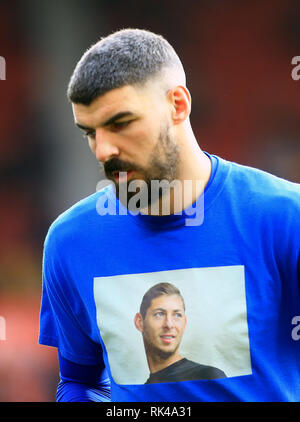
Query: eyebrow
[[164, 310], [109, 121]]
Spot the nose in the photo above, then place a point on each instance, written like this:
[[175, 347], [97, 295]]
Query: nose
[[104, 147], [168, 321]]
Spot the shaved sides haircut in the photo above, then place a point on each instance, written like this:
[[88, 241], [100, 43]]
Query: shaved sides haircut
[[126, 57]]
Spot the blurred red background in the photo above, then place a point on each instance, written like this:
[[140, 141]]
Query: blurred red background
[[237, 57]]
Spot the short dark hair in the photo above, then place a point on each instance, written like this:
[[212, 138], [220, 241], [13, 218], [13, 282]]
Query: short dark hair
[[126, 57], [156, 291]]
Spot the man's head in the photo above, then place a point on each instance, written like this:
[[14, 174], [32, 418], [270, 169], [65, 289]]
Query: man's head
[[126, 57], [161, 320], [129, 97]]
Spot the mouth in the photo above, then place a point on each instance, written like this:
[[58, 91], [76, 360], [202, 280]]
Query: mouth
[[167, 338], [122, 176]]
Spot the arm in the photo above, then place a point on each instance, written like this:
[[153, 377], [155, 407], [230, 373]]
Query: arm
[[66, 324], [82, 383]]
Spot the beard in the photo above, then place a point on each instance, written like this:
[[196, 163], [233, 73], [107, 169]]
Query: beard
[[163, 165]]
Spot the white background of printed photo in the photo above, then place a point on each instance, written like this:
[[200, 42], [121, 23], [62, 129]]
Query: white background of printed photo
[[216, 333]]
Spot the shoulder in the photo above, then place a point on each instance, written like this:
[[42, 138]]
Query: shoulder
[[204, 371], [259, 181], [260, 190], [262, 182]]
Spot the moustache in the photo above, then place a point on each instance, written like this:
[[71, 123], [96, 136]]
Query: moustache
[[115, 164]]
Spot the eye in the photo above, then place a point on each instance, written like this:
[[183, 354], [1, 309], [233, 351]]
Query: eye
[[116, 126], [90, 134]]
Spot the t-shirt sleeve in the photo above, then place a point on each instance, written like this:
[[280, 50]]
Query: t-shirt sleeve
[[77, 392], [82, 383], [64, 323]]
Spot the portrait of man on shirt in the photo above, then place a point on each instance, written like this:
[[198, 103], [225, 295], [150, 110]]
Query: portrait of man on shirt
[[162, 322]]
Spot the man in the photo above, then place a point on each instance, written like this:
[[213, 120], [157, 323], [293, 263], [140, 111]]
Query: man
[[129, 96], [162, 322]]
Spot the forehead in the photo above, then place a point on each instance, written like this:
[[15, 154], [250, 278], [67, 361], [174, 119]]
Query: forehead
[[169, 302], [129, 98]]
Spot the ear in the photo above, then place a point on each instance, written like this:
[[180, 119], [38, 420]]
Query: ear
[[138, 322], [180, 99]]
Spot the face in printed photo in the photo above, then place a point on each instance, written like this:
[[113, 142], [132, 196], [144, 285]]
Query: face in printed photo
[[162, 326]]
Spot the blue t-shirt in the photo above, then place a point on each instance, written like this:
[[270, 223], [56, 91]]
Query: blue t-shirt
[[237, 269]]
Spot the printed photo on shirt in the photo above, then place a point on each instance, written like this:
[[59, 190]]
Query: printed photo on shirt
[[172, 326], [162, 322]]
